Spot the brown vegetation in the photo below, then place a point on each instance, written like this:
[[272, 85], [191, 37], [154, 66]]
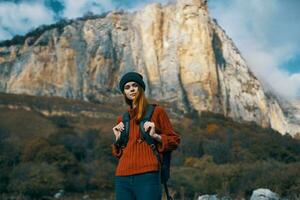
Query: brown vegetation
[[41, 154]]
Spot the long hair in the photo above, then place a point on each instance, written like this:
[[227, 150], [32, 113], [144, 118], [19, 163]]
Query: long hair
[[141, 103]]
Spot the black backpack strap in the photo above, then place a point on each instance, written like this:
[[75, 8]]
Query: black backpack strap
[[149, 112], [147, 117], [150, 141], [124, 137]]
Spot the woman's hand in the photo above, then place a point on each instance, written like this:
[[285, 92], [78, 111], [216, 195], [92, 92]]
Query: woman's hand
[[118, 129], [152, 133]]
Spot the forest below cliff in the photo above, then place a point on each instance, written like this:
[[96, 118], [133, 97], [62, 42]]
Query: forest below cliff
[[41, 154]]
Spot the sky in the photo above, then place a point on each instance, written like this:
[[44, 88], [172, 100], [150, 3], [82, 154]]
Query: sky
[[265, 31]]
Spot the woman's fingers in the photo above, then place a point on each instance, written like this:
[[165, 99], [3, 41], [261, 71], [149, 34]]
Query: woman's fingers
[[118, 129], [148, 125], [119, 126]]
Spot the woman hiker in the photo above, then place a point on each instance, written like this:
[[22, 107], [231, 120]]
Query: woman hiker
[[137, 175]]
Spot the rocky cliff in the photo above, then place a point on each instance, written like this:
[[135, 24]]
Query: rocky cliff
[[184, 55]]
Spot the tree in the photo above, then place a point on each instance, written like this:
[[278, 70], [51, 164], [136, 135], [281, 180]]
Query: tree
[[71, 141], [33, 147], [35, 179], [57, 156]]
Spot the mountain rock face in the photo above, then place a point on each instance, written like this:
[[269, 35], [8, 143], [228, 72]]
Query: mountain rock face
[[184, 55]]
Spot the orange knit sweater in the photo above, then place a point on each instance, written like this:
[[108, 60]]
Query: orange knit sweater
[[137, 157]]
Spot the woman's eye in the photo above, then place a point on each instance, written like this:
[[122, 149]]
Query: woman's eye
[[128, 87]]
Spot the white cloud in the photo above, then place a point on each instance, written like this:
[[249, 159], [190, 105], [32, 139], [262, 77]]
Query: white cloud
[[267, 33], [77, 8], [20, 18]]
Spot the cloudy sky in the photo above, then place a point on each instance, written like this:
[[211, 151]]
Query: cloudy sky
[[266, 31]]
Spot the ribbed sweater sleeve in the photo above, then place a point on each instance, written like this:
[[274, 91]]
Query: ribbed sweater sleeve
[[170, 139]]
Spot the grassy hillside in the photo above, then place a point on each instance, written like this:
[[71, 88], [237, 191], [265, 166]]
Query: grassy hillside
[[69, 148]]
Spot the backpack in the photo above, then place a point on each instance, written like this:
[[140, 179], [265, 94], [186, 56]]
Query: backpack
[[165, 162]]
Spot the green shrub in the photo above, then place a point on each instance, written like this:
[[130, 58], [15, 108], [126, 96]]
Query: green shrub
[[71, 141], [35, 179]]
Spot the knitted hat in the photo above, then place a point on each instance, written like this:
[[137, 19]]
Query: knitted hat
[[131, 76]]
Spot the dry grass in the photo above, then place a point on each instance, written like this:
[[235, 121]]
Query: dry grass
[[25, 124]]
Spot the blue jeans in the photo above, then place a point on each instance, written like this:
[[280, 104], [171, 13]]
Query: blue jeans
[[145, 186]]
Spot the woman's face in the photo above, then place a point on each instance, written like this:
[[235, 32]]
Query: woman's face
[[131, 90]]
